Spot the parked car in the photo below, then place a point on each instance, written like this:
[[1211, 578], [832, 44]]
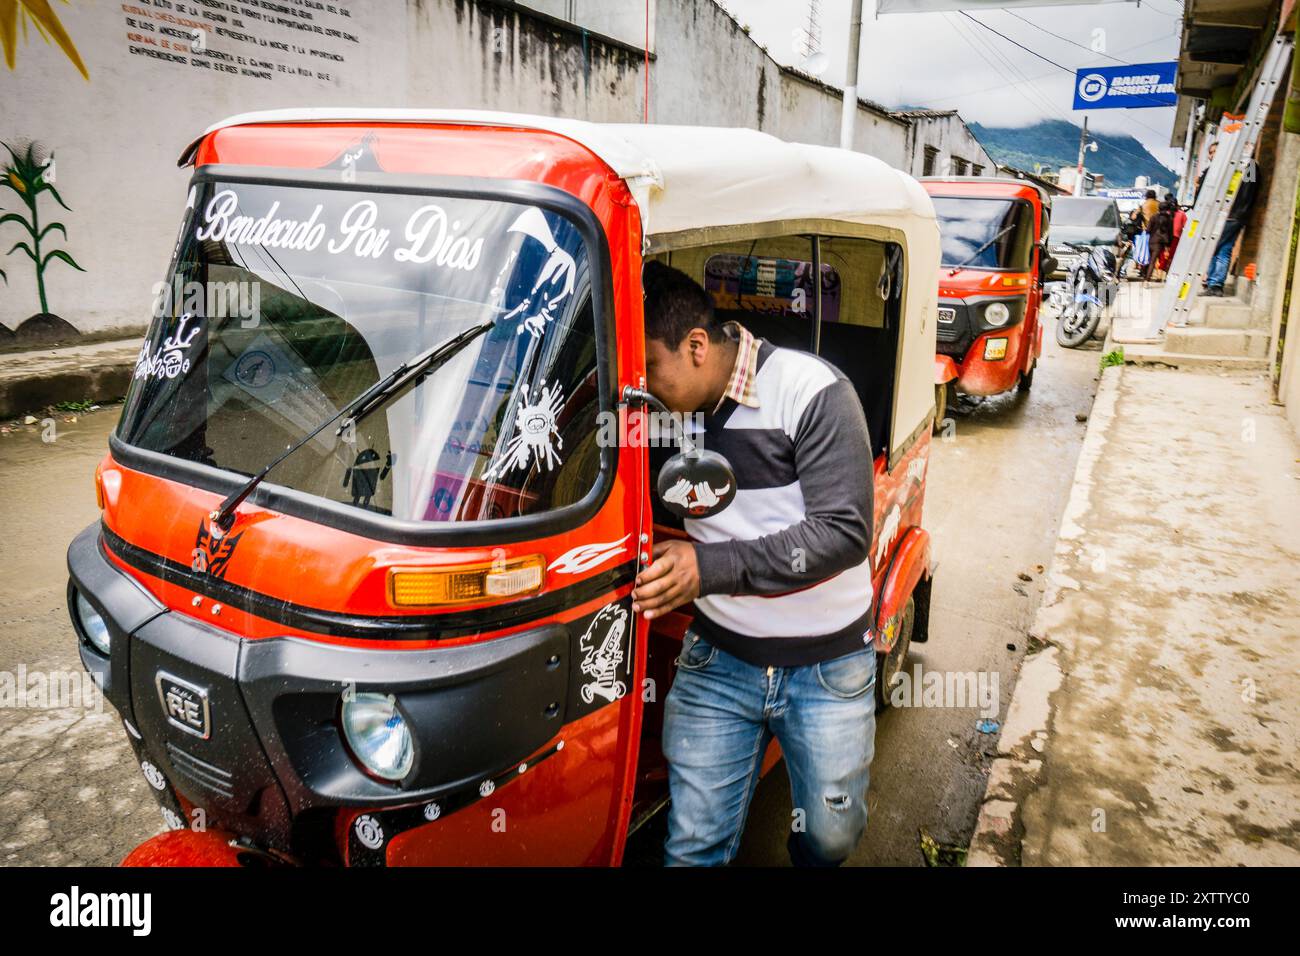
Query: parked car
[[1081, 221]]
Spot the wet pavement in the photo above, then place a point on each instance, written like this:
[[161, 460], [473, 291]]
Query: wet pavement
[[70, 792]]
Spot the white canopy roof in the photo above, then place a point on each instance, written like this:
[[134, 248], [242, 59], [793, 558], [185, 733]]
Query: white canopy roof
[[690, 177]]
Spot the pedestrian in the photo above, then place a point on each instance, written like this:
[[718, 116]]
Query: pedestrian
[[1129, 231], [1178, 219], [1200, 180], [1150, 206], [1242, 203], [1161, 233], [780, 644]]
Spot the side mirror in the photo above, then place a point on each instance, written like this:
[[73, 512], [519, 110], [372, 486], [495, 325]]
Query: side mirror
[[694, 483], [1047, 263]]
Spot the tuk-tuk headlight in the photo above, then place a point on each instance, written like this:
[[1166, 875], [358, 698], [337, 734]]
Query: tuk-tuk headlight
[[92, 625], [378, 735], [997, 314]]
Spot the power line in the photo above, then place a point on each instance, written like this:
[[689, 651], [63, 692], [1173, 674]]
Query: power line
[[1059, 66], [1059, 37], [1041, 103]]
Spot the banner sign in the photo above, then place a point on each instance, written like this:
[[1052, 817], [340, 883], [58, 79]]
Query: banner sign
[[1130, 86], [975, 6]]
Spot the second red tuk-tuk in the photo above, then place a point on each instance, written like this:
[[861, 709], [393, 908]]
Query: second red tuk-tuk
[[990, 283], [360, 588]]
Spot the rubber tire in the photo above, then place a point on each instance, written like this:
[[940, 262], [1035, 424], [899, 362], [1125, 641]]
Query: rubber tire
[[945, 395], [891, 664], [1081, 335], [1026, 381]]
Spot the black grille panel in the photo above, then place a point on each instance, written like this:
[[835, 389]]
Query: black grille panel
[[200, 772]]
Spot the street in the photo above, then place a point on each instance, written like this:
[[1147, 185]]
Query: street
[[70, 792]]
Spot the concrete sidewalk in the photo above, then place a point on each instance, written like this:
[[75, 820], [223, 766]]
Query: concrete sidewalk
[[98, 372], [1156, 723]]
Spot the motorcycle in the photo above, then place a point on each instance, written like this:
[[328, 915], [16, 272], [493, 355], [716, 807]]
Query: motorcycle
[[1082, 299]]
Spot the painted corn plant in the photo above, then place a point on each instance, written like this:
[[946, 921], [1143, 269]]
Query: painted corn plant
[[26, 174]]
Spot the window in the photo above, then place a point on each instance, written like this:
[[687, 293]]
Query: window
[[346, 285], [931, 161], [766, 285], [959, 166], [984, 233], [977, 170]]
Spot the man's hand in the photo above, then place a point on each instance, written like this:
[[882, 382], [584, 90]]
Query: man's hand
[[671, 580]]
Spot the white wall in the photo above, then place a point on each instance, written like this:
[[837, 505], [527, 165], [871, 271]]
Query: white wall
[[951, 138], [116, 135]]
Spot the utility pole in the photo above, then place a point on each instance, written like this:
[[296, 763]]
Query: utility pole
[[850, 111], [1083, 144]]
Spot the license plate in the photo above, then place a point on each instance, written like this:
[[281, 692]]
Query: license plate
[[185, 705], [947, 316]]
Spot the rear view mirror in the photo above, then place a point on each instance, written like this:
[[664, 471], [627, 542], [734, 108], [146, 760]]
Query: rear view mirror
[[696, 483]]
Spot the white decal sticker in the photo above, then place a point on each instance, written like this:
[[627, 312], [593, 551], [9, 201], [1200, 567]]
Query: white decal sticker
[[172, 819], [153, 775], [485, 788], [536, 436], [169, 361], [432, 811], [695, 497], [602, 653], [888, 532], [587, 556], [916, 469], [369, 832], [554, 283]]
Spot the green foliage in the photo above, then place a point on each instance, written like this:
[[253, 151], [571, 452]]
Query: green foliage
[[1055, 143], [1113, 357]]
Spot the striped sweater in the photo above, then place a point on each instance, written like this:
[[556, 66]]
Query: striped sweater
[[785, 570]]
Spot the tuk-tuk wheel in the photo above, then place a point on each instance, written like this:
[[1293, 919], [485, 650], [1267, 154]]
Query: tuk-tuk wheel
[[1026, 381], [890, 665], [944, 395]]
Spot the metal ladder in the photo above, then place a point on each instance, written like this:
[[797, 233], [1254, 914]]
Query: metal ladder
[[1236, 147]]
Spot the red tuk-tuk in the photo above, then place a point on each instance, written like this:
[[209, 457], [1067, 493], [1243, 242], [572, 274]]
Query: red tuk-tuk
[[990, 283], [360, 590]]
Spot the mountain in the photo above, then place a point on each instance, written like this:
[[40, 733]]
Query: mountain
[[1055, 143]]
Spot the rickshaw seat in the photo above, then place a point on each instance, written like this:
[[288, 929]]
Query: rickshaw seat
[[865, 354]]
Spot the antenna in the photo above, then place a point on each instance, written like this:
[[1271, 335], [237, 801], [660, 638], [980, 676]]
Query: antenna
[[814, 60]]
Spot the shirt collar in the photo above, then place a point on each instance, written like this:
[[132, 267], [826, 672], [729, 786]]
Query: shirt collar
[[741, 386]]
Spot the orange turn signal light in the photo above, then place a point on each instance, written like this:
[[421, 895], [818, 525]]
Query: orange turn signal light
[[485, 581]]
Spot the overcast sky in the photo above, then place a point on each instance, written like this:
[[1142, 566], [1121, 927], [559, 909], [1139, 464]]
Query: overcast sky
[[945, 61]]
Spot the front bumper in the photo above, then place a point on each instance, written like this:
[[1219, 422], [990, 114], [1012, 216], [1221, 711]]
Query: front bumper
[[269, 762]]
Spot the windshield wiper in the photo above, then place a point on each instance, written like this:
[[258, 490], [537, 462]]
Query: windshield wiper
[[976, 254], [394, 384]]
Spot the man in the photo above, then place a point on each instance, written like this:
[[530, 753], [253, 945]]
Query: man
[[780, 644], [1237, 213]]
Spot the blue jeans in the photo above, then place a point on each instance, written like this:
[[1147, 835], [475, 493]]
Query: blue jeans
[[719, 717], [1218, 273]]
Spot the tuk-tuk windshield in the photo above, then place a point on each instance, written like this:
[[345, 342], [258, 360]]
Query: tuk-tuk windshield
[[984, 233], [284, 303]]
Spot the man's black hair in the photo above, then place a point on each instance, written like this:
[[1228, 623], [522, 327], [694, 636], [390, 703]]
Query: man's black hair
[[1151, 194], [674, 304]]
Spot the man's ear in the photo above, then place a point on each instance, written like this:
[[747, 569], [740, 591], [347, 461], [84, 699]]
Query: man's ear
[[697, 345]]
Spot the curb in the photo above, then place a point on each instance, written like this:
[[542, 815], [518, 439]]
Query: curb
[[33, 380], [1026, 733]]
